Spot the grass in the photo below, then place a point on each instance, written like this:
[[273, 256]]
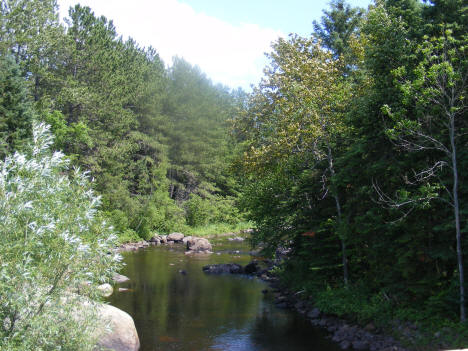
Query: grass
[[217, 228]]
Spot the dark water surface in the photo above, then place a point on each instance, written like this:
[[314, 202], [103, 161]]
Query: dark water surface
[[195, 311]]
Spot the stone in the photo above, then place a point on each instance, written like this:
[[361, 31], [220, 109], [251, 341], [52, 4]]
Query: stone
[[105, 289], [122, 335], [345, 344], [225, 268], [163, 239], [251, 268], [119, 278], [176, 237], [186, 239], [199, 245], [314, 313], [155, 238], [236, 239], [360, 345]]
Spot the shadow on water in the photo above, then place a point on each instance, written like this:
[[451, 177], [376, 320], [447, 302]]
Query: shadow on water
[[194, 311]]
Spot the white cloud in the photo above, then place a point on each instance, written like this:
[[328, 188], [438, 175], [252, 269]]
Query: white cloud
[[229, 54]]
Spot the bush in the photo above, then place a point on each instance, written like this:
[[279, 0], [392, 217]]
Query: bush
[[213, 209], [199, 211], [54, 251]]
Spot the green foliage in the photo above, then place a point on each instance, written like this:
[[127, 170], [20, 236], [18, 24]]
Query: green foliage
[[214, 209], [199, 211], [16, 110], [161, 214], [54, 251], [401, 85]]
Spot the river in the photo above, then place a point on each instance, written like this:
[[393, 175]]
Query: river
[[178, 307]]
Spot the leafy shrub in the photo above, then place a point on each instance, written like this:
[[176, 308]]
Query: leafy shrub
[[161, 215], [213, 209], [54, 250], [199, 211]]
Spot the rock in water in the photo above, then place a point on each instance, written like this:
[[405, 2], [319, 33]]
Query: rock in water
[[186, 239], [123, 335], [251, 268], [225, 268], [198, 245], [155, 238], [119, 278], [176, 237]]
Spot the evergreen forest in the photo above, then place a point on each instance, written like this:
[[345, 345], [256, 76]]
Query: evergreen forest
[[351, 152]]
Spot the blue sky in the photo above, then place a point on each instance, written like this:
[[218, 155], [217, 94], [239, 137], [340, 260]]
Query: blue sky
[[227, 39], [285, 15]]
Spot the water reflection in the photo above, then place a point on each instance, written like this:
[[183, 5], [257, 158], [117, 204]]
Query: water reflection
[[194, 311]]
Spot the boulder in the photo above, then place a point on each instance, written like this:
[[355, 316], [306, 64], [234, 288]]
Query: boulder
[[224, 268], [236, 239], [251, 268], [119, 278], [155, 238], [105, 289], [314, 313], [122, 335], [186, 239], [198, 245], [176, 237], [163, 239]]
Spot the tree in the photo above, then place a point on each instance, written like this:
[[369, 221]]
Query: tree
[[299, 109], [16, 110], [439, 91], [338, 27], [55, 250]]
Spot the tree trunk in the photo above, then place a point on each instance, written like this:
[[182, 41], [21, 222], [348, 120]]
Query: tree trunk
[[344, 258], [456, 210]]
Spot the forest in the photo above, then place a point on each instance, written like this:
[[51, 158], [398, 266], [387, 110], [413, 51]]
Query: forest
[[352, 151]]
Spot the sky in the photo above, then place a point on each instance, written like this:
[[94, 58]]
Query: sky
[[227, 39]]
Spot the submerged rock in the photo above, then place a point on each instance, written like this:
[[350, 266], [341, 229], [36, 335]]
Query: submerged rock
[[236, 239], [224, 268]]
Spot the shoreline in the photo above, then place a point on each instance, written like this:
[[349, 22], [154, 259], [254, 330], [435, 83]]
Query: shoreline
[[347, 335]]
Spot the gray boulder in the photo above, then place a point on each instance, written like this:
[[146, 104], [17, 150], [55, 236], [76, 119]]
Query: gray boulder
[[186, 239], [122, 335], [155, 238], [198, 245], [105, 289], [176, 237], [119, 278]]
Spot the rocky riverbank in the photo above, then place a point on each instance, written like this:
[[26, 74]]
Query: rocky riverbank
[[347, 335], [193, 244]]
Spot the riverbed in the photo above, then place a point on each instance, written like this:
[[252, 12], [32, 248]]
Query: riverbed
[[176, 306]]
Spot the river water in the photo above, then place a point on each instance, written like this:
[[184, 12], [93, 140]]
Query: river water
[[178, 307]]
